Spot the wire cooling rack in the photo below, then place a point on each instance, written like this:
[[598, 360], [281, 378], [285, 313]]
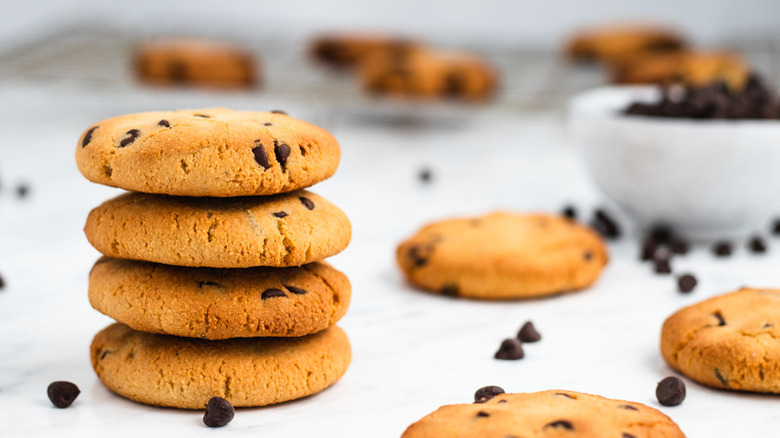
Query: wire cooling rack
[[85, 56]]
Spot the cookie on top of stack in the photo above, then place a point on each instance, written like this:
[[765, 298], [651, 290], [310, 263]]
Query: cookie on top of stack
[[213, 264]]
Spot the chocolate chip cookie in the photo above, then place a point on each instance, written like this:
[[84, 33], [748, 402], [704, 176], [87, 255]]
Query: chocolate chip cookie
[[617, 42]]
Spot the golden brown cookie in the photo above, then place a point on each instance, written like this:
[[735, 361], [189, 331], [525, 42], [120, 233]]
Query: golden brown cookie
[[291, 229], [164, 370], [546, 414], [502, 256], [207, 152], [731, 341], [219, 303], [688, 68], [613, 43], [348, 49], [194, 62], [429, 74]]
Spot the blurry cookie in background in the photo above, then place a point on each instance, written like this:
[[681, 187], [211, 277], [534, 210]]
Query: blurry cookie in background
[[615, 42], [688, 68], [431, 74], [503, 256], [196, 63], [345, 50]]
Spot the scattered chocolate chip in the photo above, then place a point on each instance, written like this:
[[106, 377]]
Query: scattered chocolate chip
[[88, 136], [719, 317], [219, 412], [425, 175], [648, 250], [280, 214], [450, 290], [511, 349], [268, 124], [22, 190], [282, 151], [686, 283], [757, 245], [720, 377], [486, 393], [202, 115], [273, 293], [721, 249], [661, 234], [605, 224], [2, 282], [563, 424], [260, 156], [307, 202], [565, 395], [628, 407], [670, 391], [295, 290], [528, 333], [661, 263], [130, 137], [570, 212], [482, 414], [279, 112], [62, 394], [679, 246], [776, 227]]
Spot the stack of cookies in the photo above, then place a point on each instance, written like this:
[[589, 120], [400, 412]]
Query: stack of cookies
[[213, 264]]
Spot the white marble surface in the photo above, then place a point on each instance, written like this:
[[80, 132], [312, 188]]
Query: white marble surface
[[412, 351]]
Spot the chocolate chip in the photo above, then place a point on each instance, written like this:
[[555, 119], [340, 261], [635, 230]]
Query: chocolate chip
[[721, 249], [279, 112], [570, 212], [719, 317], [104, 354], [425, 175], [2, 282], [62, 394], [720, 377], [628, 407], [511, 349], [528, 333], [450, 290], [565, 395], [130, 137], [679, 246], [273, 293], [22, 190], [282, 151], [260, 156], [649, 248], [202, 115], [661, 234], [486, 393], [756, 245], [455, 84], [670, 391], [563, 424], [202, 284], [88, 136], [307, 202], [605, 225], [219, 412], [482, 414], [686, 283], [295, 290], [268, 124], [417, 255], [661, 263], [776, 227], [587, 256], [280, 214], [164, 122], [627, 435]]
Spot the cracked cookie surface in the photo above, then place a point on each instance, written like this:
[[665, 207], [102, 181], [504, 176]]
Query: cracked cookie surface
[[219, 303], [546, 414], [290, 229], [169, 371], [502, 256], [214, 152], [731, 341]]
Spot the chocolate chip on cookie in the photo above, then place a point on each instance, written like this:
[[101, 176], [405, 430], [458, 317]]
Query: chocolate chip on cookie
[[273, 293], [219, 412], [129, 137], [164, 123], [307, 202], [62, 393], [88, 136], [670, 391], [528, 333], [511, 349], [486, 393], [562, 424]]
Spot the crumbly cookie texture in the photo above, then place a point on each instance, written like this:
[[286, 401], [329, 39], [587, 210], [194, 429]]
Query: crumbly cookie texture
[[618, 42], [195, 62], [555, 413], [219, 303], [214, 152], [291, 229], [731, 341], [185, 373], [502, 256]]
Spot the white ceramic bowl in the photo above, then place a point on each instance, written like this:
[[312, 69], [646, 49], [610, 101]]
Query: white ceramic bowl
[[706, 179]]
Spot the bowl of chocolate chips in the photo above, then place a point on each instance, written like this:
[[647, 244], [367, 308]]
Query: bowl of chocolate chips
[[703, 160]]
